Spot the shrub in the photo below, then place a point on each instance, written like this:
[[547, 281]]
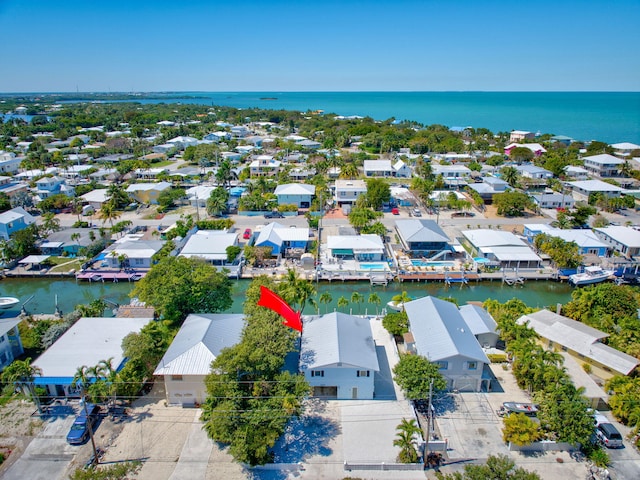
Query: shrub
[[497, 357]]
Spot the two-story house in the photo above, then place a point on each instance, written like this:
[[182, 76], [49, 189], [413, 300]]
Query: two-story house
[[348, 191], [14, 220], [603, 165]]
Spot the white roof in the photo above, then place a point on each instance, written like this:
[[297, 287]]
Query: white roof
[[295, 189], [512, 254], [604, 159], [15, 214], [135, 248], [7, 324], [534, 147], [492, 238], [199, 341], [440, 331], [135, 187], [201, 191], [338, 338], [444, 169], [478, 319], [100, 195], [358, 185], [583, 238], [580, 338], [209, 244], [367, 242], [625, 146], [377, 165], [415, 230], [627, 236], [87, 342], [278, 233], [595, 186]]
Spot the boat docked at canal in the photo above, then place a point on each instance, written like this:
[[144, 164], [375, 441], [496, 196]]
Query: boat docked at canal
[[8, 302], [591, 275]]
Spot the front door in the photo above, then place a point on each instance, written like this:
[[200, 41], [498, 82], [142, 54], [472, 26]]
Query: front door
[[354, 393]]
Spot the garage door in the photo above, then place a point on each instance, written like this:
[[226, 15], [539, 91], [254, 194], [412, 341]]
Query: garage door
[[325, 392], [182, 398]]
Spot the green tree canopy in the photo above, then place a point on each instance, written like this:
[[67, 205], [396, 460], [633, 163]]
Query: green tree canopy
[[414, 373], [378, 192], [512, 204], [178, 286]]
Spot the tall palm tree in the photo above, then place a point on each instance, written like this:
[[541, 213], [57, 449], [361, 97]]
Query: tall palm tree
[[374, 298], [325, 298], [404, 440], [357, 298], [342, 302], [82, 380], [401, 299], [108, 212], [21, 373], [349, 170], [297, 291]]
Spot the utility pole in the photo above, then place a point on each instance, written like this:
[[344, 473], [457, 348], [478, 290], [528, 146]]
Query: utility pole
[[90, 424], [429, 417]]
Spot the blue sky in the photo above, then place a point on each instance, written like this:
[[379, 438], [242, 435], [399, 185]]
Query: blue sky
[[333, 45]]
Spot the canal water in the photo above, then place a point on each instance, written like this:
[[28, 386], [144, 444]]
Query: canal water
[[69, 293]]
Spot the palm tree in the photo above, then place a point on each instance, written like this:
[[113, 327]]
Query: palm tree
[[349, 170], [21, 373], [374, 298], [118, 196], [510, 175], [404, 440], [217, 201], [325, 298], [357, 298], [342, 302], [109, 213], [401, 299], [82, 380], [297, 291]]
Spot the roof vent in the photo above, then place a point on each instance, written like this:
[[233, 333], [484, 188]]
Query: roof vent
[[462, 330]]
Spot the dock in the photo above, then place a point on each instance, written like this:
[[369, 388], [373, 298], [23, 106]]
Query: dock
[[105, 276]]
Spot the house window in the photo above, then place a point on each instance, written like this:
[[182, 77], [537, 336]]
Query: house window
[[362, 373], [2, 339], [472, 365], [3, 358], [176, 378], [317, 373], [443, 365]]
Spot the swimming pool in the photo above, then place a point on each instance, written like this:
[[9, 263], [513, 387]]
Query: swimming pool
[[422, 263], [373, 266]]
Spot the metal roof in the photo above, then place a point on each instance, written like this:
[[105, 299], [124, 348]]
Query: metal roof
[[295, 189], [359, 242], [338, 339], [580, 338], [627, 236], [87, 342], [198, 343], [420, 231], [277, 233], [492, 238], [209, 244], [7, 324], [478, 319], [440, 331]]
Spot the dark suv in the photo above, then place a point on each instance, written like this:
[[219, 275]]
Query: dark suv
[[273, 215], [609, 435], [84, 421]]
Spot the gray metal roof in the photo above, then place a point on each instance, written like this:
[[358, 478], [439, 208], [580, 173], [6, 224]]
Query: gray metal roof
[[415, 230], [199, 341], [7, 324], [338, 339], [580, 338], [478, 319], [440, 331]]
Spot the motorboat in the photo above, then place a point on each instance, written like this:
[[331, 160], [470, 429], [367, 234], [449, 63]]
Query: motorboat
[[591, 275], [8, 302], [528, 409], [396, 307]]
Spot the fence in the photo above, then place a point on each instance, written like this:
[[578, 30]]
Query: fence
[[383, 467], [545, 446]]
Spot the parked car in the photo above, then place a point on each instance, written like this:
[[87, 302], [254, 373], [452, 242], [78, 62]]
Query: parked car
[[247, 234], [416, 212], [462, 214], [395, 211], [609, 435], [273, 215], [79, 431]]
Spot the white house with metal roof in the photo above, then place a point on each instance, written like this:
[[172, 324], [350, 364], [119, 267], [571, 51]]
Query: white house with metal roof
[[576, 172], [503, 248], [87, 342], [582, 189], [581, 341], [348, 191], [624, 149], [364, 248], [481, 323], [587, 241], [298, 194], [211, 246], [603, 165], [188, 359], [423, 238], [441, 335], [338, 356], [281, 238], [132, 252], [534, 172], [625, 240]]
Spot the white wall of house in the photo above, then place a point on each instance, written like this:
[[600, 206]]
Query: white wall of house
[[460, 373], [185, 389], [346, 379]]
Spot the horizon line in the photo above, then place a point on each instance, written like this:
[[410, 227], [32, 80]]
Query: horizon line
[[130, 92]]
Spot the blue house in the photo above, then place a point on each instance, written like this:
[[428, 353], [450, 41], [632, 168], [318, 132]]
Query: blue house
[[297, 194], [587, 241], [13, 221], [10, 344], [281, 238]]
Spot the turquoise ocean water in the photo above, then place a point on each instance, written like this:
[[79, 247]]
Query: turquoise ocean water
[[610, 117]]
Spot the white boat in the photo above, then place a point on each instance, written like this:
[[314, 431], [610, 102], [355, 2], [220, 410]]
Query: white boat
[[590, 276], [396, 307], [8, 302]]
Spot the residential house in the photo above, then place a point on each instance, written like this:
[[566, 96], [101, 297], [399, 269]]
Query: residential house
[[520, 135], [298, 194], [441, 335], [307, 144], [581, 341], [603, 165], [87, 342], [217, 137], [96, 198], [147, 193], [14, 220], [583, 189], [165, 148], [264, 165], [536, 148], [131, 251], [533, 172], [489, 187], [183, 142], [624, 149], [624, 240], [199, 195], [9, 162], [481, 324], [451, 171], [501, 248], [233, 157], [338, 356], [587, 241], [68, 241], [301, 173], [48, 186], [187, 362], [240, 131], [10, 187], [576, 172], [211, 246], [285, 241], [552, 200], [10, 343], [423, 238], [348, 191], [563, 139], [386, 168], [363, 248]]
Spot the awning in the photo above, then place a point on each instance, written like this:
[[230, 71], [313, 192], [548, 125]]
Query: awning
[[34, 259]]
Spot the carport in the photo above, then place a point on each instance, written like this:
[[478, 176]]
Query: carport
[[326, 393]]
